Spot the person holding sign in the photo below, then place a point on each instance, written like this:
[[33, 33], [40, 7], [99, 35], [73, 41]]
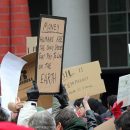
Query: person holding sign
[[25, 110], [67, 119], [80, 110], [110, 102]]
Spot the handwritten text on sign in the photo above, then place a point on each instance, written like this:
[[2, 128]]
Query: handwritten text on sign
[[83, 80], [50, 54], [124, 90]]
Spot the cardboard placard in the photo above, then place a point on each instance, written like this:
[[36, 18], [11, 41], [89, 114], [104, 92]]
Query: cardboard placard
[[83, 80], [97, 96], [50, 54], [108, 125], [124, 90], [27, 75], [31, 43]]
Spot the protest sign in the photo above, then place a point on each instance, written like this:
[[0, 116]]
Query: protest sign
[[31, 43], [11, 67], [124, 90], [83, 80], [27, 76], [108, 125], [50, 54]]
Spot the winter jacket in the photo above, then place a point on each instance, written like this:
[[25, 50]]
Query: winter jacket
[[79, 124], [106, 116], [91, 120], [26, 112]]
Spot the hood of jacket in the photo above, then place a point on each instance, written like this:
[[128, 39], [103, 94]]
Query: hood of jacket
[[76, 124]]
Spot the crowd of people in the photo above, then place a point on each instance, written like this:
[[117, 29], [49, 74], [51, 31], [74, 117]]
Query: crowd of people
[[85, 114]]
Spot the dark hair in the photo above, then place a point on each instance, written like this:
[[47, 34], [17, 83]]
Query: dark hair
[[111, 100], [78, 102], [64, 116], [3, 115], [123, 122], [96, 106]]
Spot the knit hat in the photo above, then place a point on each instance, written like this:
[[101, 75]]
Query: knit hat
[[12, 126]]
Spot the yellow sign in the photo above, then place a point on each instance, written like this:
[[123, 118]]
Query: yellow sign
[[83, 80], [27, 76], [108, 125]]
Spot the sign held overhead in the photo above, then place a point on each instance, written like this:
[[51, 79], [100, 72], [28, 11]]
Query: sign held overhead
[[124, 90], [83, 80], [50, 53]]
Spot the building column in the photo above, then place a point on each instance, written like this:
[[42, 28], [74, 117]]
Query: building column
[[77, 42]]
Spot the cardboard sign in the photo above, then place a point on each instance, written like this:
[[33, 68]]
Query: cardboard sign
[[108, 125], [124, 90], [27, 75], [50, 54], [83, 80], [31, 43]]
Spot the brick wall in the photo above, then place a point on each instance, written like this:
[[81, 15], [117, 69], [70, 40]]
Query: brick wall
[[4, 27], [14, 26]]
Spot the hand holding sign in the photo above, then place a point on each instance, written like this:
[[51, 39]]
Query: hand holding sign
[[62, 96], [33, 93], [85, 103]]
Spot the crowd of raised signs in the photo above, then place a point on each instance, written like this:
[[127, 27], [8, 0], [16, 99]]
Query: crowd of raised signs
[[84, 114]]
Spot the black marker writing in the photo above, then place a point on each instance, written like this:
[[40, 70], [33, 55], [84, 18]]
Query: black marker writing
[[48, 78]]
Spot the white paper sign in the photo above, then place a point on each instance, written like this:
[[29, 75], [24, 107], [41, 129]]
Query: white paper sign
[[124, 90], [0, 71], [129, 47], [11, 67]]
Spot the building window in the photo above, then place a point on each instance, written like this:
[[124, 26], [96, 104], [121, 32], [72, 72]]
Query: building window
[[37, 7], [117, 22], [116, 5], [110, 32], [97, 6], [99, 46], [97, 24], [118, 49]]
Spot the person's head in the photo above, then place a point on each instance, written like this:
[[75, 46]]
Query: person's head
[[123, 123], [4, 116], [80, 110], [111, 100], [66, 119], [96, 106], [78, 102], [42, 121]]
